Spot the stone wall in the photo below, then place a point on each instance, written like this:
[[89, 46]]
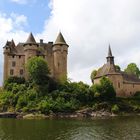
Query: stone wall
[[56, 60]]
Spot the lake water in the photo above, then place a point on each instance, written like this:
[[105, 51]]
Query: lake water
[[118, 128]]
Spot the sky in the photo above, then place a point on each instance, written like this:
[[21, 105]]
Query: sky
[[88, 26]]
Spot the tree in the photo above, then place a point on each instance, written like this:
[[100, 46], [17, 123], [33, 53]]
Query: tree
[[105, 89], [11, 81], [117, 68], [38, 70], [132, 69], [93, 74]]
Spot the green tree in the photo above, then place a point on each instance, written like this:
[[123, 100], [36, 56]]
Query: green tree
[[117, 68], [105, 89], [132, 69], [38, 70], [93, 74]]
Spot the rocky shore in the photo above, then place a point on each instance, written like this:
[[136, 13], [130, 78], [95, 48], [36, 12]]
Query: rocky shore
[[78, 114], [85, 113]]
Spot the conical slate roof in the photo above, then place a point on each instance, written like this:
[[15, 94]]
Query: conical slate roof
[[60, 39], [13, 43], [31, 39], [109, 51]]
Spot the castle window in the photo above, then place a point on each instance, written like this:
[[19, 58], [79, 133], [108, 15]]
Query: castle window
[[13, 56], [13, 64], [21, 72], [119, 85], [19, 56], [11, 72], [58, 64]]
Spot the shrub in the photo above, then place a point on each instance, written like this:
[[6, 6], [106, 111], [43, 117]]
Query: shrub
[[115, 109], [105, 89], [137, 94], [22, 102], [38, 70]]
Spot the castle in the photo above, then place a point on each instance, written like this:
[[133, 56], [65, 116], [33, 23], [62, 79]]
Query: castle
[[16, 56], [124, 84]]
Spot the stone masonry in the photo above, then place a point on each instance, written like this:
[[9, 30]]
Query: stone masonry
[[16, 56]]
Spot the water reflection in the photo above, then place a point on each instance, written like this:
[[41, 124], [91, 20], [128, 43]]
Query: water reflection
[[119, 128]]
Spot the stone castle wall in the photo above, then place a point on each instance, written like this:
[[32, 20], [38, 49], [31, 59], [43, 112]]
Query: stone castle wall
[[56, 57]]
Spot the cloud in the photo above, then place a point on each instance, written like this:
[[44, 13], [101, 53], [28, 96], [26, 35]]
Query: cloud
[[20, 1], [20, 21], [11, 27], [89, 27]]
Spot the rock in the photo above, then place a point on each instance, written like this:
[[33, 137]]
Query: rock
[[34, 116], [8, 115]]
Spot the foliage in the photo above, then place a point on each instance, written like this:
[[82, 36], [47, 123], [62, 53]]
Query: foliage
[[115, 109], [38, 70], [137, 94], [80, 91], [132, 69], [93, 74], [104, 90], [117, 68], [13, 80]]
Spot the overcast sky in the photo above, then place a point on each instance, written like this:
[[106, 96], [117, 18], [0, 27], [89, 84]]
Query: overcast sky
[[88, 27]]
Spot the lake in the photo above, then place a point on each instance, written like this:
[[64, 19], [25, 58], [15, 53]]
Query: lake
[[116, 128]]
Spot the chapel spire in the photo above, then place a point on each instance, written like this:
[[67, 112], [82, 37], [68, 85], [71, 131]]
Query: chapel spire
[[109, 51], [110, 58]]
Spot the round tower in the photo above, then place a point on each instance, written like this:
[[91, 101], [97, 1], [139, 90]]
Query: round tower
[[30, 47], [60, 51], [30, 50], [6, 51]]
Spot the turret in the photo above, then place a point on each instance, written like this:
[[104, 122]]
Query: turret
[[6, 48], [30, 50], [60, 51], [6, 52], [30, 47]]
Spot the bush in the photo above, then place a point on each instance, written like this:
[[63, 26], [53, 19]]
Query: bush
[[104, 90], [80, 91], [115, 109], [11, 81], [38, 70], [22, 102], [137, 94]]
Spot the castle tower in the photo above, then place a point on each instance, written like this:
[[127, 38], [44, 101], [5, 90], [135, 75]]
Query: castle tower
[[30, 47], [60, 51], [6, 51], [30, 50], [110, 58]]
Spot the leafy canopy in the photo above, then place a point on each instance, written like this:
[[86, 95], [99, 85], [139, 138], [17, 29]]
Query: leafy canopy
[[117, 68], [132, 69], [37, 69], [104, 89], [93, 74]]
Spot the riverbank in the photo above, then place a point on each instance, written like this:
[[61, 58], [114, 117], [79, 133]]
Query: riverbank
[[85, 113]]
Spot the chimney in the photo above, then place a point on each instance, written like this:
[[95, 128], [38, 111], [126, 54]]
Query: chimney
[[41, 41]]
